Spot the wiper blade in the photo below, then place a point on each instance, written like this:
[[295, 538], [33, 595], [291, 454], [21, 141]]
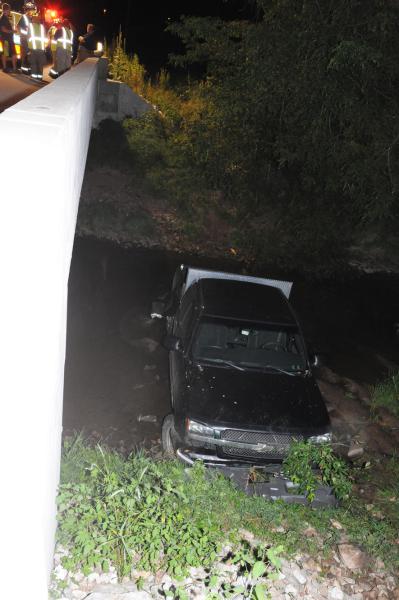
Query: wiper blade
[[279, 370], [229, 363]]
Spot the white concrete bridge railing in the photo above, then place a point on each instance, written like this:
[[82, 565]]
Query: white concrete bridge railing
[[44, 141]]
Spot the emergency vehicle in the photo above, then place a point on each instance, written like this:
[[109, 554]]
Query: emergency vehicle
[[50, 16]]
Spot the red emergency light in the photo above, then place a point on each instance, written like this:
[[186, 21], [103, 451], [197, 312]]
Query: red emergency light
[[50, 15]]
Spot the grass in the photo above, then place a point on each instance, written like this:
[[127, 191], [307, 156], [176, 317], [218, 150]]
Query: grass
[[386, 395], [214, 507]]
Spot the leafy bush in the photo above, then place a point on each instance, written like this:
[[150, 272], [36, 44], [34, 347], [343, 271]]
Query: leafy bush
[[308, 465], [131, 512], [211, 506], [386, 394]]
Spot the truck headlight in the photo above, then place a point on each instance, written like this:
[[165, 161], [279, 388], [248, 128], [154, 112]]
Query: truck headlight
[[324, 438], [199, 428]]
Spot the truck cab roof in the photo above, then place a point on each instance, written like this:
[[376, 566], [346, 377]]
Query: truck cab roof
[[239, 300]]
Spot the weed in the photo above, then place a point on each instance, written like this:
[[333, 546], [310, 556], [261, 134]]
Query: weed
[[256, 564], [386, 394], [137, 512], [308, 465], [125, 512]]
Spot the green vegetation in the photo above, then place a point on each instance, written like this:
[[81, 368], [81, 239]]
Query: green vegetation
[[139, 511], [292, 130], [121, 511], [331, 470], [386, 395]]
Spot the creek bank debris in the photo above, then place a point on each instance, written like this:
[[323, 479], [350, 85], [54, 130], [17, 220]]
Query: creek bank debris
[[301, 577]]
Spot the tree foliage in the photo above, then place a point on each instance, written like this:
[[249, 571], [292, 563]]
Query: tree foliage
[[293, 127], [302, 111]]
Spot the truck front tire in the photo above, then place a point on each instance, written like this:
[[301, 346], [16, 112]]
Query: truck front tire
[[169, 436]]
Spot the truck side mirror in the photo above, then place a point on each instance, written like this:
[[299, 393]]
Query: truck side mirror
[[172, 343], [316, 360]]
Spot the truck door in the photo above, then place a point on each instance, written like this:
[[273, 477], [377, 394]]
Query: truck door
[[183, 329]]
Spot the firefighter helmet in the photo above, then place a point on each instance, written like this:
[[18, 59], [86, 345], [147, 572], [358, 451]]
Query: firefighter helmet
[[29, 7]]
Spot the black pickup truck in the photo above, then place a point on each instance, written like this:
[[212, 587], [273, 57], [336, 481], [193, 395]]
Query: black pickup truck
[[241, 380]]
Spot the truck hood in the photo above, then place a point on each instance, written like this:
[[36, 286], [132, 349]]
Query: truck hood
[[252, 399]]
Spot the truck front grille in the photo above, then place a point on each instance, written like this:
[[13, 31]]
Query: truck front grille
[[276, 445]]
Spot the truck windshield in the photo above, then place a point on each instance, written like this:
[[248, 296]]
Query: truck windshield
[[249, 345]]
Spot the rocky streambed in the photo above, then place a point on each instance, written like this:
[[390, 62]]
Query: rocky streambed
[[348, 574]]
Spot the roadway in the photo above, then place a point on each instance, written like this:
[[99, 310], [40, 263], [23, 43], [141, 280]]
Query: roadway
[[14, 87]]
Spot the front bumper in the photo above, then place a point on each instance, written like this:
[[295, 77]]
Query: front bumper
[[274, 487], [257, 478]]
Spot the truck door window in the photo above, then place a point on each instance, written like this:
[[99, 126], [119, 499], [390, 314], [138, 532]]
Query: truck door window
[[186, 316]]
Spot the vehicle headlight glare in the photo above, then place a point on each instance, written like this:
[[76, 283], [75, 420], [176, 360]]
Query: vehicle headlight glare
[[199, 429], [324, 438]]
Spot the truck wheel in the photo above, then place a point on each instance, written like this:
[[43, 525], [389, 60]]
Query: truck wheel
[[168, 436]]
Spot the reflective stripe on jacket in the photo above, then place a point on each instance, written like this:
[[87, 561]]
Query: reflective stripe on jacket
[[37, 37], [23, 25], [65, 41]]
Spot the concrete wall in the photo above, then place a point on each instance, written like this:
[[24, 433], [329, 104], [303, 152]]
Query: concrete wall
[[44, 141], [117, 100]]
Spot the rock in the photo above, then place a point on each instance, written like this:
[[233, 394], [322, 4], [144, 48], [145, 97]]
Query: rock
[[390, 583], [246, 535], [379, 565], [355, 451], [299, 576], [79, 595], [352, 557], [147, 418], [60, 572], [311, 565], [336, 524], [336, 571], [290, 589], [279, 529], [93, 577], [197, 572], [113, 588], [310, 531], [335, 593], [142, 595]]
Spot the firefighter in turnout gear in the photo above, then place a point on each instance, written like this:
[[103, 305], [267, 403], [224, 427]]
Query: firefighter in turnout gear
[[61, 47], [70, 40], [29, 9], [37, 42]]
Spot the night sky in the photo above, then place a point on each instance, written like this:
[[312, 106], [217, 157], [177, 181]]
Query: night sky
[[143, 22]]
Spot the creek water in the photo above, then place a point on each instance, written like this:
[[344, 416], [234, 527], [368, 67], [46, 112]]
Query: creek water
[[116, 375]]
